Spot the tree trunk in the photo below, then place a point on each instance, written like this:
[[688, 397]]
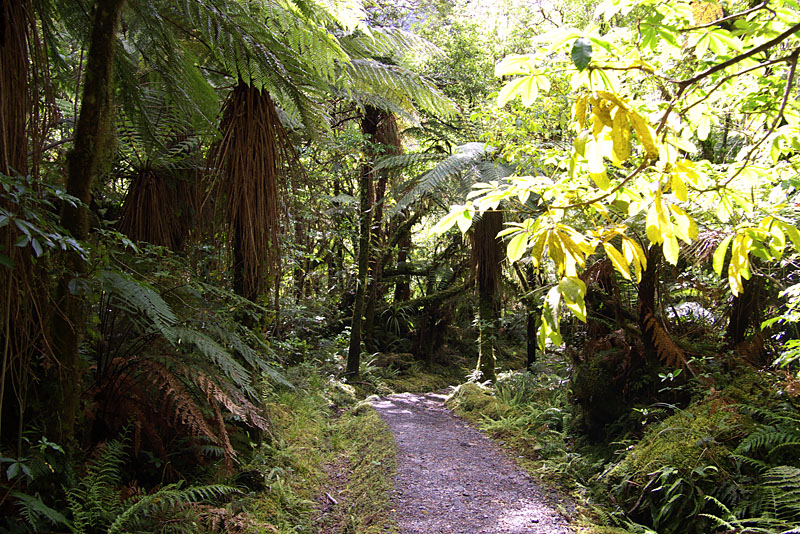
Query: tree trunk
[[375, 264], [369, 126], [402, 289], [647, 299], [744, 310], [83, 166], [487, 255]]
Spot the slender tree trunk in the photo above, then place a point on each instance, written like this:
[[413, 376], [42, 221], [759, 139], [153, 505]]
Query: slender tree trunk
[[83, 166], [647, 299], [402, 289], [375, 264], [369, 126]]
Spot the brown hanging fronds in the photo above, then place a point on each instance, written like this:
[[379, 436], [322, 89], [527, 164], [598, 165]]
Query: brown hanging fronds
[[159, 208], [24, 295], [670, 353], [253, 151]]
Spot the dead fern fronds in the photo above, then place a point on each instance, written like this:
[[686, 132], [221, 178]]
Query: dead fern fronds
[[670, 353], [158, 209], [253, 151]]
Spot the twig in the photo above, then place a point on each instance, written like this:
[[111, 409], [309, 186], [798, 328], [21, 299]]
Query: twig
[[717, 22], [330, 498]]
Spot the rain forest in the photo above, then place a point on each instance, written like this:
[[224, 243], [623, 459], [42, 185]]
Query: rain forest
[[410, 267]]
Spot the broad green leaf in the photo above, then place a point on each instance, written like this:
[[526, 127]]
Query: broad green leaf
[[509, 91], [464, 220], [581, 53], [703, 127], [793, 233], [448, 221], [600, 179], [516, 247], [685, 225], [671, 249], [528, 91], [618, 260], [652, 229], [679, 188], [513, 64], [573, 289], [6, 261], [719, 254], [635, 255], [777, 242]]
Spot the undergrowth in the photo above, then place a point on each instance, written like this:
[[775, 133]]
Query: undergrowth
[[726, 462]]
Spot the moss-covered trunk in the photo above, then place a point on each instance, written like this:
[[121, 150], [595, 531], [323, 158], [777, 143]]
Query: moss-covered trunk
[[487, 255], [369, 126], [92, 136]]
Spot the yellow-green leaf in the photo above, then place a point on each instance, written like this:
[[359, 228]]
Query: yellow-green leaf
[[464, 220], [685, 225], [621, 135], [516, 247], [652, 229], [671, 249], [573, 289], [509, 91], [618, 260], [679, 188], [793, 233]]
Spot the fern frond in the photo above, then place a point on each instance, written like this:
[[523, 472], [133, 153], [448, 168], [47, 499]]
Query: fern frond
[[395, 84], [216, 354], [387, 42], [406, 161], [139, 300], [142, 510], [670, 353], [466, 157]]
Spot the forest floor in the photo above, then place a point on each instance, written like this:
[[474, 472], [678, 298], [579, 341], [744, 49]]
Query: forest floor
[[451, 479]]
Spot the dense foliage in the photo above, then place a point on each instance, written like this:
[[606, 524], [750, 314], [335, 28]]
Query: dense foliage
[[220, 221]]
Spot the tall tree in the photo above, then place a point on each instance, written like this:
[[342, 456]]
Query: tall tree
[[369, 128], [84, 163], [488, 253]]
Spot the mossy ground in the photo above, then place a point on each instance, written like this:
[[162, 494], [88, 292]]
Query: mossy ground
[[323, 445]]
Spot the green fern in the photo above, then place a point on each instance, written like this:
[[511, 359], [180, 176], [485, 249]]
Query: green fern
[[467, 157], [94, 501], [781, 430], [34, 510], [144, 513]]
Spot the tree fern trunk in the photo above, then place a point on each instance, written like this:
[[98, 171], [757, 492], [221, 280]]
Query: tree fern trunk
[[83, 166], [647, 299], [487, 255]]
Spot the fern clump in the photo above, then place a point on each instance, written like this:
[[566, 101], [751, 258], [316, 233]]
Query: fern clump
[[475, 402]]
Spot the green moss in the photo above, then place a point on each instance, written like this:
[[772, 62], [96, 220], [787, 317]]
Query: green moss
[[362, 468], [423, 378], [685, 441], [473, 401]]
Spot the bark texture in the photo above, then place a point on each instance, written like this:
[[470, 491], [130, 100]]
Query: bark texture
[[84, 163]]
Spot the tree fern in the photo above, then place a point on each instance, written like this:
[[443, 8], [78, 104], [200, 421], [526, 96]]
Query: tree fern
[[467, 157], [140, 301]]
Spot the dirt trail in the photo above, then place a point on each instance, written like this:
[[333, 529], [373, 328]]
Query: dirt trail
[[451, 479]]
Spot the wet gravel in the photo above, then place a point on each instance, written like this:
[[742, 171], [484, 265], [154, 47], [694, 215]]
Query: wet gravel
[[452, 479]]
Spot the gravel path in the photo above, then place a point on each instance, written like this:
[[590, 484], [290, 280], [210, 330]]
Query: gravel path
[[451, 479]]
